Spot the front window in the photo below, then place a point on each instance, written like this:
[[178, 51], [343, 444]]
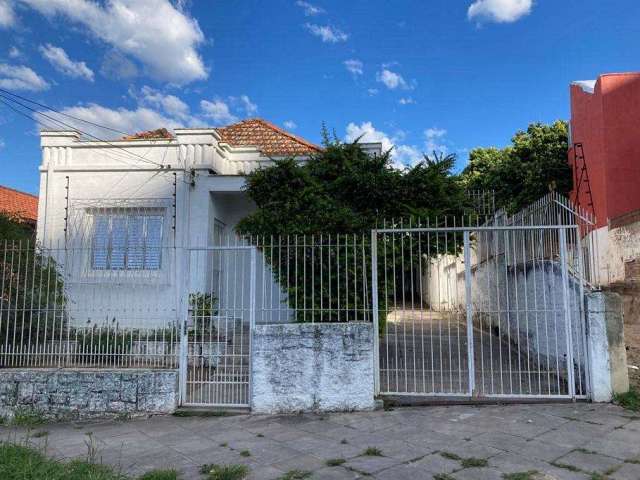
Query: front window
[[127, 240]]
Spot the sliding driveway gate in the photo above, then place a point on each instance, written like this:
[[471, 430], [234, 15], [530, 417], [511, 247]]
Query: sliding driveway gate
[[479, 312]]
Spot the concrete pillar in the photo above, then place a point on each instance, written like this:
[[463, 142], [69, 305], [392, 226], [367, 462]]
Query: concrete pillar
[[607, 354]]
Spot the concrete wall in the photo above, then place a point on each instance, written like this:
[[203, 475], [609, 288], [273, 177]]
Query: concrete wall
[[608, 369], [66, 394], [312, 367]]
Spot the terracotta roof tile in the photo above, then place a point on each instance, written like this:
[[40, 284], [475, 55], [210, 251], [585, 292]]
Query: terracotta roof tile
[[18, 204], [150, 134], [268, 138]]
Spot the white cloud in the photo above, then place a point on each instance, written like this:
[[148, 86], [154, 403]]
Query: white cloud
[[14, 52], [353, 66], [2, 144], [7, 15], [121, 119], [373, 92], [403, 155], [290, 125], [21, 78], [406, 101], [170, 104], [61, 62], [327, 33], [218, 111], [499, 11], [309, 9], [118, 67], [434, 140], [163, 38], [391, 79], [245, 103]]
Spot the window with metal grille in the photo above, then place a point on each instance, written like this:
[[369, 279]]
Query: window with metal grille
[[127, 240]]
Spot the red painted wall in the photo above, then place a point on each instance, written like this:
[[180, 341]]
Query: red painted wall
[[607, 123]]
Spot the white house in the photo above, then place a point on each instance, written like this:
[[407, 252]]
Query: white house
[[120, 215]]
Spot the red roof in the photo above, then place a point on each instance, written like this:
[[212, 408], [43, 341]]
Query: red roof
[[269, 139], [18, 204]]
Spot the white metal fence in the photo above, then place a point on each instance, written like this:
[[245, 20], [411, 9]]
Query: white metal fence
[[487, 319]]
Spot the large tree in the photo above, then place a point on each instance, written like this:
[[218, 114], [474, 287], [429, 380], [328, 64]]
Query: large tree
[[534, 164]]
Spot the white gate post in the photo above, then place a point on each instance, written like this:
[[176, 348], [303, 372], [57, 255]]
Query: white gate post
[[567, 313], [469, 308], [183, 260], [252, 320], [374, 298]]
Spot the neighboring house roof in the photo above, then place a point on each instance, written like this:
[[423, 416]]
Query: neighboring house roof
[[268, 138], [150, 134], [18, 204]]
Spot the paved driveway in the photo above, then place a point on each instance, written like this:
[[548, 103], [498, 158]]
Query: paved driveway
[[570, 441]]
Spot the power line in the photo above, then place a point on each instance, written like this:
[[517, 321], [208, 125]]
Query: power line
[[59, 112], [74, 128]]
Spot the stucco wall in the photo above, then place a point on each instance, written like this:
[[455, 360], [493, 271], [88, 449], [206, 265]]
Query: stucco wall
[[312, 367], [66, 394]]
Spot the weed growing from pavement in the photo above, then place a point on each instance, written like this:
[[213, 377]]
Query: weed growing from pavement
[[629, 400], [571, 468], [161, 475], [40, 434], [372, 452], [224, 472], [245, 453], [473, 462], [344, 441], [520, 475], [295, 475], [27, 417], [335, 462], [450, 456], [443, 476]]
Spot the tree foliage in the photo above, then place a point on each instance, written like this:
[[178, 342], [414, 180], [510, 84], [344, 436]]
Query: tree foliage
[[342, 193], [534, 164]]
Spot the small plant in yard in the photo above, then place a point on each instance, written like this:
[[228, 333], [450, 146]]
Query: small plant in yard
[[372, 452], [335, 462], [450, 456], [160, 475], [473, 462], [225, 472], [245, 453], [295, 475], [520, 475], [629, 400]]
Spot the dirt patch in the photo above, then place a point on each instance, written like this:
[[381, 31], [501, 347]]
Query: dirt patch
[[630, 292]]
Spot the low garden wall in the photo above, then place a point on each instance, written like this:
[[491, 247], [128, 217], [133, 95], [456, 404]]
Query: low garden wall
[[68, 394], [312, 367]]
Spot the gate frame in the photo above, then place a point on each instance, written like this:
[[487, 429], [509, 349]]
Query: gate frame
[[184, 313], [466, 231]]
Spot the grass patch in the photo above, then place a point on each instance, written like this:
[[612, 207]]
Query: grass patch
[[473, 462], [160, 475], [629, 400], [372, 452], [443, 476], [224, 472], [571, 468], [520, 475], [245, 453], [295, 475], [200, 413], [27, 417], [450, 456], [335, 462]]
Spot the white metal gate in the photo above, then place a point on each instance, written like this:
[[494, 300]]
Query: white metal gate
[[493, 311], [215, 363]]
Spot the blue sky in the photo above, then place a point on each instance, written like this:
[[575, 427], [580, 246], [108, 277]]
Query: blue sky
[[445, 74]]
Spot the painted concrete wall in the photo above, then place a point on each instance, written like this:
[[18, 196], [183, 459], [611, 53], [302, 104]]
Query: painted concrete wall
[[68, 394], [606, 122], [608, 369], [312, 367]]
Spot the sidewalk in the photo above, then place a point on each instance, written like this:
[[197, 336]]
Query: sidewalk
[[567, 441]]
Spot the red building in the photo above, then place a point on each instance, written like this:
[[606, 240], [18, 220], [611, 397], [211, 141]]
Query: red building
[[605, 147]]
